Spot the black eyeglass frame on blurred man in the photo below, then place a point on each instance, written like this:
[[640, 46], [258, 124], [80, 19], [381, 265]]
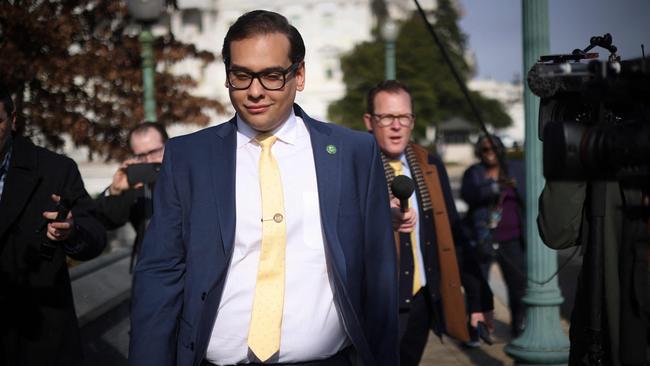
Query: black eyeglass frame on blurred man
[[385, 120]]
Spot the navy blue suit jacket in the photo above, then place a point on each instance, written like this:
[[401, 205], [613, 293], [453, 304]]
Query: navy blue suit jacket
[[184, 260]]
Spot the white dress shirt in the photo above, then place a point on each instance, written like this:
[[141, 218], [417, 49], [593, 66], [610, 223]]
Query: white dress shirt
[[311, 326], [406, 170]]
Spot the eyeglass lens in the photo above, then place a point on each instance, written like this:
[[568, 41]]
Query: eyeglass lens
[[270, 80], [385, 120]]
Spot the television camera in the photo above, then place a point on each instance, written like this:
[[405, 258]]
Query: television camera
[[594, 123], [594, 116]]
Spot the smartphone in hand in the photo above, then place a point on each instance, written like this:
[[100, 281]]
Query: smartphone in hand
[[144, 173]]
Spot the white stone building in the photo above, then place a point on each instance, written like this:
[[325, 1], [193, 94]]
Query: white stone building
[[330, 28], [511, 95]]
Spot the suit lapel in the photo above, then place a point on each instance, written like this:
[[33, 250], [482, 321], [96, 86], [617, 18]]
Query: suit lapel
[[223, 177], [21, 181], [328, 152]]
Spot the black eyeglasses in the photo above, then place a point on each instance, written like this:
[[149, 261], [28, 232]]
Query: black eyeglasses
[[153, 153], [385, 120], [270, 79]]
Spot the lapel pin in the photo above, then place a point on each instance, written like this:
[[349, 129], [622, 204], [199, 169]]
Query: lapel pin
[[331, 149]]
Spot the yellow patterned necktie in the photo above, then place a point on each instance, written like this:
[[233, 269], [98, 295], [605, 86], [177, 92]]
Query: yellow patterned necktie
[[268, 303], [417, 283]]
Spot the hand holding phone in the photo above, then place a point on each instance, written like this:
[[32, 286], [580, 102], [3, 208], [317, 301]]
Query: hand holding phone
[[59, 221]]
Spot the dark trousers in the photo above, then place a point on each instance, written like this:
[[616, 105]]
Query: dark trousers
[[510, 256], [414, 326]]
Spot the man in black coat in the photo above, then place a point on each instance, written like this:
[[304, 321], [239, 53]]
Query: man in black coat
[[121, 202], [38, 324]]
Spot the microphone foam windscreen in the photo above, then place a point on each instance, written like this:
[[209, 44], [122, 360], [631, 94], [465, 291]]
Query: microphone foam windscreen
[[402, 187]]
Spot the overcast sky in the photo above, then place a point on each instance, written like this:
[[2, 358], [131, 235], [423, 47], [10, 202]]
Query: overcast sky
[[494, 30]]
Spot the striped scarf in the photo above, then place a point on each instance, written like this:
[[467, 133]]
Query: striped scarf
[[416, 174]]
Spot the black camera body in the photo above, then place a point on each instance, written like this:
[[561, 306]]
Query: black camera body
[[594, 118]]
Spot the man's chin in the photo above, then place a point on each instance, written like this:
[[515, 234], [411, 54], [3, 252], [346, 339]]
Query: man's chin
[[393, 153], [259, 122], [398, 149]]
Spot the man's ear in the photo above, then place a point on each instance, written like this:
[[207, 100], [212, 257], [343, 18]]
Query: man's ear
[[367, 119], [300, 76]]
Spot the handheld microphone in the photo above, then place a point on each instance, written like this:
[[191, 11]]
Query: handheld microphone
[[402, 188]]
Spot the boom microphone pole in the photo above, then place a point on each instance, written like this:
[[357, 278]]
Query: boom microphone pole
[[461, 84]]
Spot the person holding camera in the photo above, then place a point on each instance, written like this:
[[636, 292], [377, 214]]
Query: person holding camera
[[564, 221], [45, 215], [495, 219], [128, 198]]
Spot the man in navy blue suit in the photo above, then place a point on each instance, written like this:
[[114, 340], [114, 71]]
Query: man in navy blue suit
[[271, 239]]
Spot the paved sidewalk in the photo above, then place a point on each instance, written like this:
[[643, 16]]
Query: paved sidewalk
[[450, 353]]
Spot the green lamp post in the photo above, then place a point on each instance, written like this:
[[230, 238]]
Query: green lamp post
[[543, 342], [389, 34], [147, 12]]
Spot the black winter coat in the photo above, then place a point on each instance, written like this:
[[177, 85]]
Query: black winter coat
[[38, 325]]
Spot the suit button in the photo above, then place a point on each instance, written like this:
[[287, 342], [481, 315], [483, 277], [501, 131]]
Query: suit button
[[427, 242], [407, 301], [203, 296], [406, 273], [407, 244]]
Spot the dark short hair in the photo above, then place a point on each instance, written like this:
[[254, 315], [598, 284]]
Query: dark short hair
[[389, 86], [259, 22], [144, 127], [5, 99]]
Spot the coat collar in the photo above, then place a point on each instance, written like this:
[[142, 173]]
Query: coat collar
[[223, 176]]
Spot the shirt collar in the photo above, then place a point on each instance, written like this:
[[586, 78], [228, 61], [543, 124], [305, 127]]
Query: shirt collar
[[401, 158], [405, 164], [287, 132]]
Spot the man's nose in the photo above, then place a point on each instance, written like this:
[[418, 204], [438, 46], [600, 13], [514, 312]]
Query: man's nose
[[395, 125], [256, 89]]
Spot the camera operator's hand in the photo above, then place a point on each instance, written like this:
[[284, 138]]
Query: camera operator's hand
[[120, 182], [404, 222], [58, 231]]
